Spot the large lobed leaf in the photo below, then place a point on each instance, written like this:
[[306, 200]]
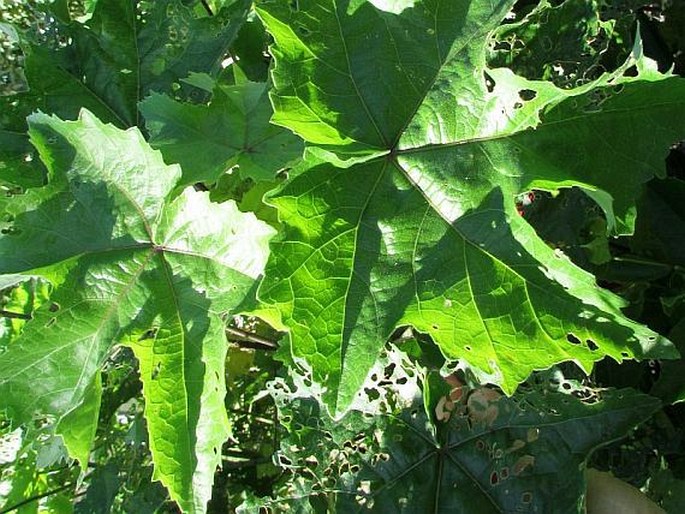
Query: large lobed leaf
[[134, 264], [470, 451], [233, 130], [107, 64], [420, 227]]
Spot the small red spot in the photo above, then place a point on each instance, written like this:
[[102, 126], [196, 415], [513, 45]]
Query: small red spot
[[494, 479]]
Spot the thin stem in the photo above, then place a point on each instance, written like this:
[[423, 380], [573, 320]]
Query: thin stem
[[36, 498], [207, 8], [250, 340], [14, 315]]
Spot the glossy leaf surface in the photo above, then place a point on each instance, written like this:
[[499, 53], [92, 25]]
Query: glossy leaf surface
[[421, 227]]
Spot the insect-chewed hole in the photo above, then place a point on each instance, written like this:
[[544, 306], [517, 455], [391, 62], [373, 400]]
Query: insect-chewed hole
[[572, 339], [631, 72], [149, 334], [54, 307], [591, 345], [372, 394], [489, 82], [527, 94]]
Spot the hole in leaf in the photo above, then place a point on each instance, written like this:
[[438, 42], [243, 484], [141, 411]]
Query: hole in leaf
[[591, 345], [527, 94], [527, 497], [149, 334], [489, 83], [389, 370], [372, 394], [625, 355], [631, 72], [50, 322], [572, 339], [504, 473], [54, 307]]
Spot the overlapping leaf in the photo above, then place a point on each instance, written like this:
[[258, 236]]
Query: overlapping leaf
[[425, 231], [486, 453], [232, 130], [131, 264], [109, 63]]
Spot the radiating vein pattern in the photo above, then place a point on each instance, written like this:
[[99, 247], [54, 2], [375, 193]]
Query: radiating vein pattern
[[428, 234], [132, 262]]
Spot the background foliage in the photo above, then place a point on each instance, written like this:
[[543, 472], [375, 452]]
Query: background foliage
[[137, 270]]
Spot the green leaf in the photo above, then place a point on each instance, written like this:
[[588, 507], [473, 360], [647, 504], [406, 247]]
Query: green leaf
[[101, 492], [26, 295], [78, 427], [671, 384], [661, 222], [250, 49], [233, 130], [425, 232], [131, 264], [175, 41], [109, 63], [539, 45], [492, 454]]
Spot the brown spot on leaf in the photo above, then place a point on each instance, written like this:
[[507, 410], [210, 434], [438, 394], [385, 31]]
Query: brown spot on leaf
[[523, 463], [482, 405], [494, 478]]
